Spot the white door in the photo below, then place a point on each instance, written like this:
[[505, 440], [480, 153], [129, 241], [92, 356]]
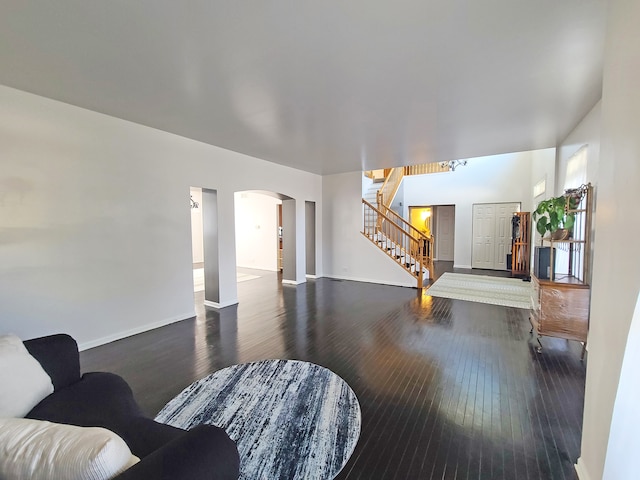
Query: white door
[[504, 213], [492, 234], [445, 227], [483, 232]]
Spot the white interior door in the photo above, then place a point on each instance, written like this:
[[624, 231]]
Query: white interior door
[[492, 234], [504, 213], [445, 227], [484, 227]]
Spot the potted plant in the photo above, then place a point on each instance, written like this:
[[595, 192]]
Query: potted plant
[[555, 215]]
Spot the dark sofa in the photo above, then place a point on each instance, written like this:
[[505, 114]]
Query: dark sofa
[[102, 399]]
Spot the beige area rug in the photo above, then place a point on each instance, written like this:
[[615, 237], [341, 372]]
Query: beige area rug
[[508, 292], [198, 278]]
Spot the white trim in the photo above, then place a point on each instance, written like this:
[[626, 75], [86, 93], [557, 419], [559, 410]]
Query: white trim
[[368, 280], [581, 470], [218, 306], [462, 266], [293, 282], [134, 331], [310, 276]]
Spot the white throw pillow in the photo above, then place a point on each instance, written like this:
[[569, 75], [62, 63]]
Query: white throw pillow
[[34, 449], [23, 381]]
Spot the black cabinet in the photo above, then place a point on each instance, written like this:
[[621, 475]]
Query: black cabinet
[[542, 262]]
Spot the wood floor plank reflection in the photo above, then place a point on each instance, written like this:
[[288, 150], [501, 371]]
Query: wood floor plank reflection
[[448, 389]]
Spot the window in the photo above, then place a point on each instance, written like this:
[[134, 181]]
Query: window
[[576, 169]]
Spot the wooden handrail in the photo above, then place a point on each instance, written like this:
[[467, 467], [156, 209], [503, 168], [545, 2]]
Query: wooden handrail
[[420, 235], [385, 217], [390, 186], [430, 240]]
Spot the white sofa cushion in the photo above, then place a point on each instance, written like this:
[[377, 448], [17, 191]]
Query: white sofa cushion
[[23, 381], [36, 449]]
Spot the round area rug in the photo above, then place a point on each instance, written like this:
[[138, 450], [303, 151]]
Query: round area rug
[[289, 419]]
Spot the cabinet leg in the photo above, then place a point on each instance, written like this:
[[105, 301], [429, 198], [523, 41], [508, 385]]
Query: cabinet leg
[[584, 349], [539, 347]]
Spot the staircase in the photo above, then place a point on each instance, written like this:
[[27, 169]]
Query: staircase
[[400, 240], [371, 195], [410, 252]]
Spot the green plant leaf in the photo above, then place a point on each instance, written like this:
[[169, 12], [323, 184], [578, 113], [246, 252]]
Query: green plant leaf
[[569, 221], [558, 202], [541, 225]]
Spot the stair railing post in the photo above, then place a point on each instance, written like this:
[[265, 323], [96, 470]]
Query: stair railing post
[[379, 198]]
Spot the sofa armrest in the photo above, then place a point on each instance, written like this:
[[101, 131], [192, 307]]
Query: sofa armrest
[[204, 452], [58, 355]]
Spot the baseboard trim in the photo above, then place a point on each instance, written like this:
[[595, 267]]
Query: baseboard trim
[[581, 470], [293, 282], [134, 331], [313, 277], [218, 306], [462, 266], [368, 280]]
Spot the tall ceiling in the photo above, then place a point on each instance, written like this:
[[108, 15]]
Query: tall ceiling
[[326, 86]]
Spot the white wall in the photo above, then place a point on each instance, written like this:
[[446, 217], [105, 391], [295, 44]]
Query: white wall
[[616, 273], [543, 167], [622, 462], [349, 254], [95, 236], [493, 179], [256, 230]]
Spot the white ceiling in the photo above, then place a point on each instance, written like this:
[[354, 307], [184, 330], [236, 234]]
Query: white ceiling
[[326, 86]]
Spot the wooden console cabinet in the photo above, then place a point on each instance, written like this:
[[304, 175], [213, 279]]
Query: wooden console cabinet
[[560, 305], [560, 309]]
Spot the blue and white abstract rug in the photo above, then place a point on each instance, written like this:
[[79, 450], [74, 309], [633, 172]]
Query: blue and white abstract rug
[[290, 419]]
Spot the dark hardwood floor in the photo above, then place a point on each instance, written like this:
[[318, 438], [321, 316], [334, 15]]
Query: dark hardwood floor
[[448, 389]]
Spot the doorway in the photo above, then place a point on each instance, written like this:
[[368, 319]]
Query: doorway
[[310, 238], [266, 232], [421, 218], [439, 221], [256, 228], [204, 245], [197, 239], [445, 221]]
